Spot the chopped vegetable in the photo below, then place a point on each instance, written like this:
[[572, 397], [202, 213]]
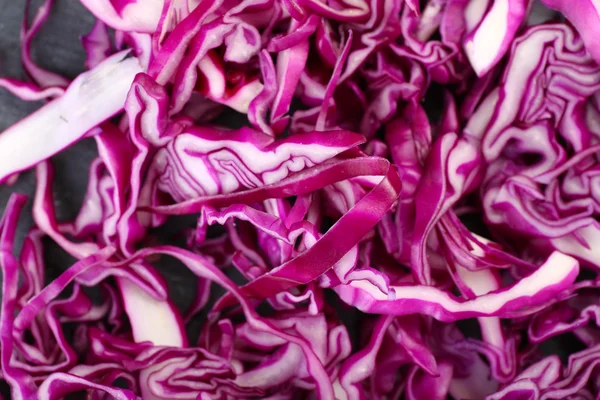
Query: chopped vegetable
[[405, 168]]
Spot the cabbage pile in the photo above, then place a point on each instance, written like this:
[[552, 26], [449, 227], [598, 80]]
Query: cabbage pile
[[410, 209]]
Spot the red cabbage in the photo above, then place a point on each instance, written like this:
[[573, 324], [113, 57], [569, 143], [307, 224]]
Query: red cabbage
[[409, 208]]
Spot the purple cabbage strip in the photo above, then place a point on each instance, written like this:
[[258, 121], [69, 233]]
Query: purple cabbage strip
[[87, 102], [584, 16], [487, 43]]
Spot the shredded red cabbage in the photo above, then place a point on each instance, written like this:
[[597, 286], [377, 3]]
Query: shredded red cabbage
[[411, 210]]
